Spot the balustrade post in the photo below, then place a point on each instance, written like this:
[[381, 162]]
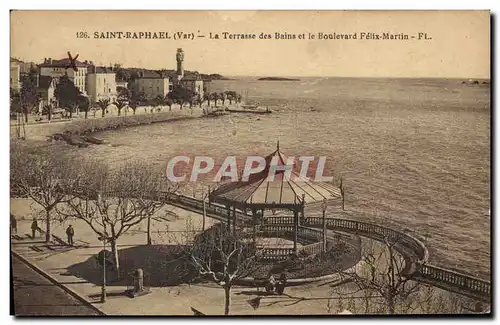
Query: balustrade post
[[295, 230], [228, 216], [234, 220]]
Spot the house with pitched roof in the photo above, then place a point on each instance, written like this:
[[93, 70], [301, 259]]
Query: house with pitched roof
[[151, 83], [101, 83], [58, 68], [46, 88], [193, 83]]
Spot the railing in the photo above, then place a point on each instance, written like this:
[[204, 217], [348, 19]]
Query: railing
[[311, 249], [275, 254], [283, 225], [429, 272], [373, 231], [310, 235], [278, 220], [422, 271]]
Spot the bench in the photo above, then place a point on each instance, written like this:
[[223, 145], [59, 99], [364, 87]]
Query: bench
[[36, 249], [260, 282], [59, 241], [17, 237]]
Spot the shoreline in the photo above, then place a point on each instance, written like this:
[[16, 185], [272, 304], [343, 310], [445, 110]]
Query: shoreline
[[97, 125]]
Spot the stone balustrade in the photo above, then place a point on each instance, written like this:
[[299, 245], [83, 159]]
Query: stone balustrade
[[284, 225]]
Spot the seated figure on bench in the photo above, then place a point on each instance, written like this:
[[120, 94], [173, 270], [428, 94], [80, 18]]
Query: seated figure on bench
[[271, 282]]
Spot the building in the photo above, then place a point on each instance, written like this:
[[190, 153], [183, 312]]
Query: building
[[15, 77], [151, 84], [101, 84], [58, 68], [24, 67], [193, 83], [46, 88]]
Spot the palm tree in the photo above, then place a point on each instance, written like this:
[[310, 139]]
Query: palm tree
[[133, 105], [120, 104], [229, 96], [169, 103], [199, 99], [84, 104], [215, 97], [222, 97], [103, 104], [159, 101], [47, 109], [206, 96], [72, 108]]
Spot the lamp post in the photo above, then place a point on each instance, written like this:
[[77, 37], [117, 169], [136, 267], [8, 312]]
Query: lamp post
[[342, 192], [323, 207], [204, 208], [103, 287], [103, 239]]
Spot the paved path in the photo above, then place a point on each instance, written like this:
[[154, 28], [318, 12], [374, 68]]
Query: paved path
[[35, 295], [77, 270]]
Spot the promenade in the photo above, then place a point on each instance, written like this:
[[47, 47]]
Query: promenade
[[64, 264], [76, 269]]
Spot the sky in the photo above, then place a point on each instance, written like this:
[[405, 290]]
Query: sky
[[459, 48]]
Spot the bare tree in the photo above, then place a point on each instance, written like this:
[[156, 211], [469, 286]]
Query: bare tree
[[143, 182], [113, 201], [432, 300], [381, 273], [223, 257], [44, 178]]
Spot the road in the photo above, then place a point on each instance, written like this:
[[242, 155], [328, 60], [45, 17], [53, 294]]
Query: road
[[34, 295]]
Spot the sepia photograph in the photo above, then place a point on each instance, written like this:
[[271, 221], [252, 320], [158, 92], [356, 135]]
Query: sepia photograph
[[250, 163]]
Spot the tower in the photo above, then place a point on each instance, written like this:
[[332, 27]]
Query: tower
[[180, 63]]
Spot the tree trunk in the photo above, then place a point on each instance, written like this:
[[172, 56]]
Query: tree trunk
[[227, 299], [71, 113], [26, 116], [103, 112], [149, 232], [47, 227], [204, 213], [86, 114], [134, 111], [49, 115], [119, 112], [116, 261], [390, 305]]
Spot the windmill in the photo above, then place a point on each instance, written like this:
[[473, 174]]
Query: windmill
[[72, 62]]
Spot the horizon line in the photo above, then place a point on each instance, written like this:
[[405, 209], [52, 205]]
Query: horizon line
[[285, 76]]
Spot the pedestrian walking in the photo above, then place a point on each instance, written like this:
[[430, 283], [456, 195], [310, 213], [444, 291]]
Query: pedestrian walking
[[13, 224], [70, 232], [34, 228]]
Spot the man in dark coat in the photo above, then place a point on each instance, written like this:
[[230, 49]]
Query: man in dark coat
[[70, 232], [34, 228], [13, 224]]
